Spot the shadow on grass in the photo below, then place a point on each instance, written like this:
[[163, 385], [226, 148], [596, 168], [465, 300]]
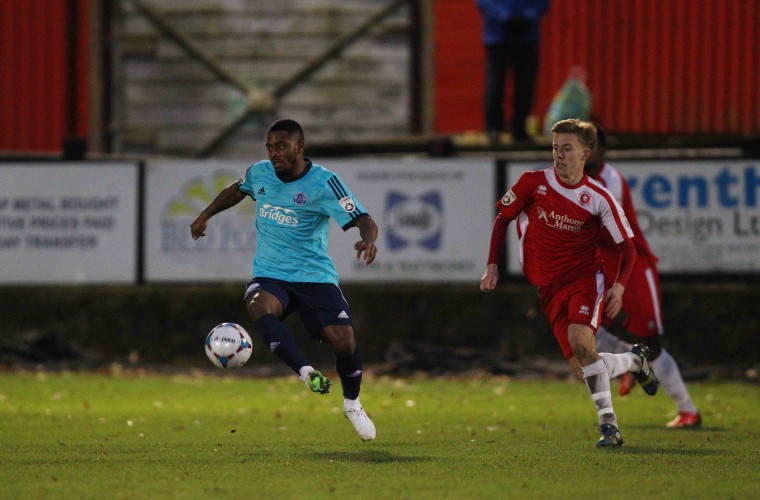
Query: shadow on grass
[[649, 450], [367, 456], [678, 431]]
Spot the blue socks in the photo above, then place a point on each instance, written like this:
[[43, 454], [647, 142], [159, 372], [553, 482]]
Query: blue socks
[[350, 372], [280, 341]]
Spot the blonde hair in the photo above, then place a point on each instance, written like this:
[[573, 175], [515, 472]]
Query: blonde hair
[[584, 131]]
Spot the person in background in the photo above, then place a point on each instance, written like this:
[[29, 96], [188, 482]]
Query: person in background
[[641, 302], [511, 32], [295, 199], [560, 213]]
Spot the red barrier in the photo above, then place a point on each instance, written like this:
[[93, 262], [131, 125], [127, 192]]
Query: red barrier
[[35, 71], [664, 67]]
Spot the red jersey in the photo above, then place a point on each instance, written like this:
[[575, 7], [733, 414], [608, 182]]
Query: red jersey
[[558, 226], [616, 184]]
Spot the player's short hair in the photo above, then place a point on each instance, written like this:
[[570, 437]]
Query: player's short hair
[[292, 127], [584, 131]]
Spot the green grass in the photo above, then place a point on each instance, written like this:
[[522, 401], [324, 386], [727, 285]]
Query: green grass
[[199, 436]]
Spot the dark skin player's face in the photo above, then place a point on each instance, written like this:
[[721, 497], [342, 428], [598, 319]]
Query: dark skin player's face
[[285, 154]]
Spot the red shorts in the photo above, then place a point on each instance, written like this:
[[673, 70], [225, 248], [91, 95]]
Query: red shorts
[[641, 301], [580, 302]]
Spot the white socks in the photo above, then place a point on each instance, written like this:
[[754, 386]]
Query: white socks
[[664, 367], [618, 364], [597, 380], [304, 372], [607, 342], [667, 371], [351, 404]]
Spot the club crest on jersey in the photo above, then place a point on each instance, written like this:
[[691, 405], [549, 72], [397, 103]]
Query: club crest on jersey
[[300, 198], [584, 198], [348, 204], [508, 198]]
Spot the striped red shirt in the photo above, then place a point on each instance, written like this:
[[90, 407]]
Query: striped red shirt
[[558, 226]]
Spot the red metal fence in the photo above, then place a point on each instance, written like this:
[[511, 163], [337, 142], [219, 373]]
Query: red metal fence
[[35, 76], [654, 66]]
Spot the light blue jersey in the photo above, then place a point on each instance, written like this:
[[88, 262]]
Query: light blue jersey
[[292, 220]]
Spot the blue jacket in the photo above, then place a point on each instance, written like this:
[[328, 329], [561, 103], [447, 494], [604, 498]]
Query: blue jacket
[[515, 21]]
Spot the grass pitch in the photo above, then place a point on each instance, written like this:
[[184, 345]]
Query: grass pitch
[[209, 435]]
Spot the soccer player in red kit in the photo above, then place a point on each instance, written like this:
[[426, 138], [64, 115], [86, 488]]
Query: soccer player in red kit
[[560, 214], [641, 303]]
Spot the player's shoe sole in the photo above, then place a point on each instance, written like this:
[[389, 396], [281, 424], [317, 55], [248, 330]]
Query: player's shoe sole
[[364, 426], [686, 420], [645, 376], [318, 383], [610, 436]]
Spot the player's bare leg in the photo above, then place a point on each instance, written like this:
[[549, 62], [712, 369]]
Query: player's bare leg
[[597, 379]]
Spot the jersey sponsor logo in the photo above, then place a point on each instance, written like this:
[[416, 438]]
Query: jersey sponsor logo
[[343, 315], [542, 214], [261, 191], [541, 189], [559, 221], [508, 198], [348, 204], [300, 198], [584, 310], [584, 198], [282, 216]]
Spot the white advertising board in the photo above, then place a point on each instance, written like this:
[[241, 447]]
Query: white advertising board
[[698, 216], [68, 223], [434, 218], [176, 192]]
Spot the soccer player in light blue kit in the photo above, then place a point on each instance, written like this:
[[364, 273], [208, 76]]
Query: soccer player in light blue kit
[[292, 271]]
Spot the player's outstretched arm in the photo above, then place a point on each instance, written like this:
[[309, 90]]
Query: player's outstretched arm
[[228, 197], [366, 246]]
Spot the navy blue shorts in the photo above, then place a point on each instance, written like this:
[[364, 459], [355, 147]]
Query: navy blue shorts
[[318, 304]]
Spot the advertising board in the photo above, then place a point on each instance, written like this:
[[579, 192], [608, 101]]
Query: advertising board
[[68, 223], [699, 216], [434, 218]]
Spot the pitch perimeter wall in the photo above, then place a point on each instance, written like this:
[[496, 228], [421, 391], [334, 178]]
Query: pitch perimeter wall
[[98, 257]]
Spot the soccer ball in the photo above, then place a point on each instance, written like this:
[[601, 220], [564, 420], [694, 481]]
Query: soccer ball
[[228, 346]]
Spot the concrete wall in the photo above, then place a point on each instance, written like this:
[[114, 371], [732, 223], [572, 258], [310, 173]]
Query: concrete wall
[[710, 324]]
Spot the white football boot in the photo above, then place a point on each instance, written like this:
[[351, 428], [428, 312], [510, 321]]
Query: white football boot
[[360, 420]]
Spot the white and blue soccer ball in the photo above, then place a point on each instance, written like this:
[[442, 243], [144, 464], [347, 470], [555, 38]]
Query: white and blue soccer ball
[[228, 346]]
